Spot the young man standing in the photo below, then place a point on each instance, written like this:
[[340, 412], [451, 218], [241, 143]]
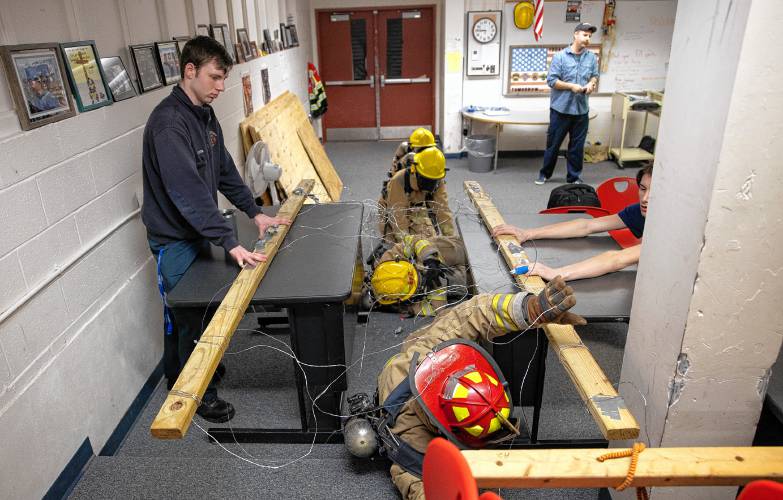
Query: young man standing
[[631, 217], [572, 76], [185, 163]]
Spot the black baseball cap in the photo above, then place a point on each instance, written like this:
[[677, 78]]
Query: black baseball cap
[[585, 27]]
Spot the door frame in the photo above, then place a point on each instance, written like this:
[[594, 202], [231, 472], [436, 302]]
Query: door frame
[[436, 59]]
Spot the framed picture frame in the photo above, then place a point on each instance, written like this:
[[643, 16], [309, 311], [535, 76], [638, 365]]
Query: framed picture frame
[[88, 83], [254, 49], [244, 40], [282, 35], [203, 30], [221, 34], [118, 79], [239, 52], [247, 94], [168, 58], [37, 81], [294, 36], [145, 62]]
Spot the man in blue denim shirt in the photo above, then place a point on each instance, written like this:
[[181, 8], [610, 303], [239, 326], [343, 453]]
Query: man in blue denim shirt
[[572, 76]]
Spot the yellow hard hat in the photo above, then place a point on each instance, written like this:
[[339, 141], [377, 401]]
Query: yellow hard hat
[[394, 281], [523, 15], [421, 138], [430, 163]]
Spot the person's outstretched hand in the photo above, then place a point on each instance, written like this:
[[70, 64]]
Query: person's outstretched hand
[[244, 257], [521, 234], [552, 305], [264, 221]]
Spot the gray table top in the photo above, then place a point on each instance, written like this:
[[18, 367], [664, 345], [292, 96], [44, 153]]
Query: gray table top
[[603, 298], [314, 264]]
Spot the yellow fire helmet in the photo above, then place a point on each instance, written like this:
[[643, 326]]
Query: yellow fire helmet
[[430, 163], [523, 15], [421, 138], [394, 281]]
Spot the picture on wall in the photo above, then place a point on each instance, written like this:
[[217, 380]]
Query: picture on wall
[[119, 81], [88, 82], [221, 34], [202, 30], [254, 49], [247, 94], [181, 41], [168, 57], [244, 40], [265, 85], [239, 52], [283, 37], [294, 37], [573, 11], [528, 67], [145, 61], [36, 78]]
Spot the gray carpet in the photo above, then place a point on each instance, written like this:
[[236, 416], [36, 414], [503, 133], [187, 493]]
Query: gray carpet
[[260, 381]]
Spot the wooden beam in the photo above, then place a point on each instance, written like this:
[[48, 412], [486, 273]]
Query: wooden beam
[[175, 415], [578, 468], [607, 407]]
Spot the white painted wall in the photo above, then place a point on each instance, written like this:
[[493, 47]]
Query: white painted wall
[[80, 316], [709, 278]]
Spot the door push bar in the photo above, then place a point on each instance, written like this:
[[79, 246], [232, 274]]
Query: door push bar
[[396, 81], [347, 83]]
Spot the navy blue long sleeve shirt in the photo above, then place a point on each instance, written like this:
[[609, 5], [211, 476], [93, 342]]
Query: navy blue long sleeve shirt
[[185, 164]]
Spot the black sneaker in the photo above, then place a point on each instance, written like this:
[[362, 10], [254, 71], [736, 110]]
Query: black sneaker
[[216, 411]]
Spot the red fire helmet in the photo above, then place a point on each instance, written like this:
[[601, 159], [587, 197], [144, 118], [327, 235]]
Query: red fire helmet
[[463, 391]]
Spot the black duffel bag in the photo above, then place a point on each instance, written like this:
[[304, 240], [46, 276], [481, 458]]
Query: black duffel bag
[[569, 195]]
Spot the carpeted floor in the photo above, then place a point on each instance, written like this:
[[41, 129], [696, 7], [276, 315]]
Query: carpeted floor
[[260, 381]]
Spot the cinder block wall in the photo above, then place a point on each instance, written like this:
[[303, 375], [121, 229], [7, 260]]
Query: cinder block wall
[[75, 352]]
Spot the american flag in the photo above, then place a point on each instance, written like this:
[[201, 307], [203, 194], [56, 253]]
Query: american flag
[[538, 20], [529, 67]]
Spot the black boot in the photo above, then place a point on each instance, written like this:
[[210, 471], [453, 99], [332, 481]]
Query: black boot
[[216, 410]]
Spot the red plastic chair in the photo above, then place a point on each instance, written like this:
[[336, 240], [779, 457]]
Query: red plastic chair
[[447, 476], [577, 209], [617, 193], [762, 490]]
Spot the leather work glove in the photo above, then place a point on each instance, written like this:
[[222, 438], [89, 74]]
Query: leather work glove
[[434, 272], [552, 305]]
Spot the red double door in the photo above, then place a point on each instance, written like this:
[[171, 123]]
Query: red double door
[[378, 68]]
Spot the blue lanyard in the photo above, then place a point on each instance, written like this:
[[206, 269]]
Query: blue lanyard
[[166, 314]]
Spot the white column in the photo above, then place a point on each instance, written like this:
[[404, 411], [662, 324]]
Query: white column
[[453, 35]]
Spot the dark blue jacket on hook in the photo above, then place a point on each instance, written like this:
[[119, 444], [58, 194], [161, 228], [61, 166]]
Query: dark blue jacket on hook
[[185, 164]]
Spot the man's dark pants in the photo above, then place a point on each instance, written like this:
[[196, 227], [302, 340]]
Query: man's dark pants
[[187, 324], [561, 124]]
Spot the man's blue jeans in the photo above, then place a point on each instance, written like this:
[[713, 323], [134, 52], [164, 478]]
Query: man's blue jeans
[[186, 325], [561, 124]]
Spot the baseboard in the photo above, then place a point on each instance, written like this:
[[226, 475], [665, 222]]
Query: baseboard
[[65, 482], [134, 410], [505, 154]]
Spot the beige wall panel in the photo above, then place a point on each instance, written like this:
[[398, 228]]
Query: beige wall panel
[[143, 22], [176, 17], [252, 24], [221, 11], [37, 20], [201, 11]]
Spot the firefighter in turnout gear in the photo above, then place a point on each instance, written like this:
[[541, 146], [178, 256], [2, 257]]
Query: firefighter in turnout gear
[[414, 276], [415, 200], [444, 384], [420, 139]]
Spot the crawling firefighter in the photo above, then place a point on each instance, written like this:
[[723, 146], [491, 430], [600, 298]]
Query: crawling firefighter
[[419, 140], [444, 384], [415, 200], [415, 275]]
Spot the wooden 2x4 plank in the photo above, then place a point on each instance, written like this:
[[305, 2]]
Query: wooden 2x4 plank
[[606, 406], [176, 414], [579, 468]]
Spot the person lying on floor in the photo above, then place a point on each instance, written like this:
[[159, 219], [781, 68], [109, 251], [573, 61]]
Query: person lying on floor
[[631, 217]]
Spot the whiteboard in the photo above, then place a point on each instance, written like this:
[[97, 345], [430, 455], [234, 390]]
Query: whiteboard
[[637, 59]]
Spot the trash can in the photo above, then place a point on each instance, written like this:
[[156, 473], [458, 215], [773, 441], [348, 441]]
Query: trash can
[[481, 151]]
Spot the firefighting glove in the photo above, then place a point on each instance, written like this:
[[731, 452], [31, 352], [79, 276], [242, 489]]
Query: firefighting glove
[[552, 305], [434, 273]]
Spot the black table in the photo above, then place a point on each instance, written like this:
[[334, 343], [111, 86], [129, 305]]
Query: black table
[[603, 299], [311, 276]]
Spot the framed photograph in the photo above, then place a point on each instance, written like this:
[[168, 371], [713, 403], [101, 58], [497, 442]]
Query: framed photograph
[[254, 49], [247, 94], [145, 61], [294, 37], [221, 34], [265, 85], [268, 41], [119, 81], [282, 36], [244, 39], [168, 57], [202, 30], [239, 52], [88, 82], [181, 41], [37, 81]]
